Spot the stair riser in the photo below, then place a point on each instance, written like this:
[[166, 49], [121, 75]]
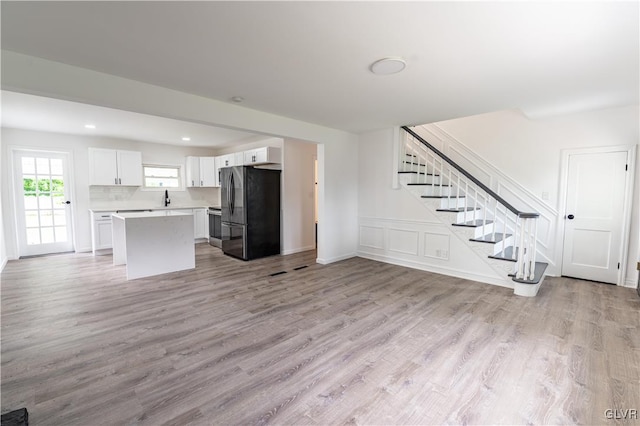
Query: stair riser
[[482, 230], [450, 203]]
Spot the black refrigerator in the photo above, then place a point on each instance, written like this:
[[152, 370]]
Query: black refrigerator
[[250, 200]]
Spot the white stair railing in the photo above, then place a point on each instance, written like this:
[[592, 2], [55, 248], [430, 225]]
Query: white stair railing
[[436, 171]]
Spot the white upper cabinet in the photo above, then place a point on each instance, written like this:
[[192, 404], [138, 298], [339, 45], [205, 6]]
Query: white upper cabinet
[[201, 172], [264, 155], [207, 171], [238, 159], [226, 160], [115, 167], [193, 171], [223, 161]]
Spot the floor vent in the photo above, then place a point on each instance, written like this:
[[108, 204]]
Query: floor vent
[[300, 267], [278, 273]]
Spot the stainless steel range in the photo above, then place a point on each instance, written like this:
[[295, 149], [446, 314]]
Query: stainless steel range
[[215, 226]]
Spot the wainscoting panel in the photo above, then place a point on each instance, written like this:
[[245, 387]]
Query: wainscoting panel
[[372, 236], [426, 245], [403, 241], [436, 245]]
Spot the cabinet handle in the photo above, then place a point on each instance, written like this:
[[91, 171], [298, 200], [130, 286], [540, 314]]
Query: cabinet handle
[[115, 180], [193, 183], [201, 184], [119, 181]]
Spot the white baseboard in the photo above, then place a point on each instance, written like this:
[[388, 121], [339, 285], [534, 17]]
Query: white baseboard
[[298, 250], [630, 284], [507, 283], [335, 259], [4, 263]]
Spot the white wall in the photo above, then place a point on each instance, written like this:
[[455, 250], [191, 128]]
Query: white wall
[[338, 150], [85, 197], [298, 196], [529, 151]]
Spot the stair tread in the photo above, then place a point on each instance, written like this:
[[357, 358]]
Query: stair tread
[[435, 185], [458, 209], [416, 173], [489, 238], [473, 223], [537, 274]]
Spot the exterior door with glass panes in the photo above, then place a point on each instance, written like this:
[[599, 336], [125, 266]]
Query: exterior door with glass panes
[[43, 211]]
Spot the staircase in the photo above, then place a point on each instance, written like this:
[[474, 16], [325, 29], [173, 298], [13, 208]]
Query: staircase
[[502, 235]]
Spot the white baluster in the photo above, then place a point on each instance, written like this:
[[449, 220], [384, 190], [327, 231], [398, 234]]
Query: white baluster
[[484, 213], [466, 197], [534, 243], [506, 228], [495, 220], [475, 203], [522, 251], [449, 191], [515, 236]]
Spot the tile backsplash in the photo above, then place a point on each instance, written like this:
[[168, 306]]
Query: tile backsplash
[[129, 197]]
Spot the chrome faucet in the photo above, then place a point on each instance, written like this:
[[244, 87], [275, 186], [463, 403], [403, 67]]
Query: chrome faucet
[[167, 200]]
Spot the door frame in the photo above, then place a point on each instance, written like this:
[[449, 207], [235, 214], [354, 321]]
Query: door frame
[[626, 211], [13, 149]]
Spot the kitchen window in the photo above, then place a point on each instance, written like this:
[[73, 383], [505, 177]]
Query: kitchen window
[[162, 177]]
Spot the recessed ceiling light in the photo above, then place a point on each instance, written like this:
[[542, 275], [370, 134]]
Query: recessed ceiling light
[[186, 138], [89, 126], [385, 66], [237, 99]]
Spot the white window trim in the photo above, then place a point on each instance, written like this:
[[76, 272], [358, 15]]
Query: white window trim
[[181, 173]]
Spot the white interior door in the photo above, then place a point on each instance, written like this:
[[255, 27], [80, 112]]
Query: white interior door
[[43, 212], [594, 216]]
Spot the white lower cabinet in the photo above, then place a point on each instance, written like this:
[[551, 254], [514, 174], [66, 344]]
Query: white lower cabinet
[[101, 240], [101, 228], [200, 223]]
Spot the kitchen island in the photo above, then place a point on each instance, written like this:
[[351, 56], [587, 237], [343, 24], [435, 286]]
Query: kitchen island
[[153, 243]]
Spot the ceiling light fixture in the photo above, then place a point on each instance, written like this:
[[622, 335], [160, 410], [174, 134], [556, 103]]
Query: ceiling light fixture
[[186, 138], [89, 126], [386, 66], [237, 99]]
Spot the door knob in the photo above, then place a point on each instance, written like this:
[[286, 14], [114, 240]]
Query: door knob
[[570, 217]]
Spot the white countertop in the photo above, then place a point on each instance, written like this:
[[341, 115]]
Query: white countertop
[[147, 209], [148, 214]]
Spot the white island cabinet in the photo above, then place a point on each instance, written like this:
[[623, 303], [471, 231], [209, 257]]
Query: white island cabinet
[[153, 243]]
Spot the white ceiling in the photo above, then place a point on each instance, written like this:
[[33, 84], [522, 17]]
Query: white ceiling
[[25, 111], [309, 60]]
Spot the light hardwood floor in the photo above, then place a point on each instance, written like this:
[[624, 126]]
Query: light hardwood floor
[[354, 342]]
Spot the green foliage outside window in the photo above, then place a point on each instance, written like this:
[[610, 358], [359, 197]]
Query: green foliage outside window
[[31, 187]]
